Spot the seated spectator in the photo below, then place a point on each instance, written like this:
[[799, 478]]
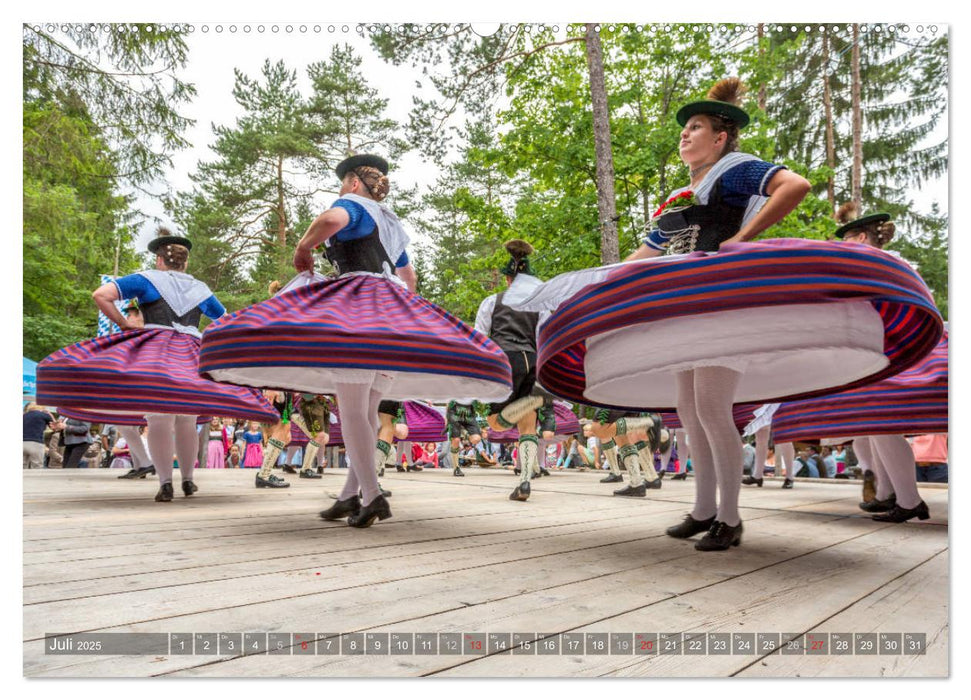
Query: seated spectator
[[828, 462], [120, 455], [234, 460], [590, 452], [930, 454]]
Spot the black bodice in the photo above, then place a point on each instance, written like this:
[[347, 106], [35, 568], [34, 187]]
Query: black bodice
[[701, 227], [159, 313], [365, 254], [513, 330]]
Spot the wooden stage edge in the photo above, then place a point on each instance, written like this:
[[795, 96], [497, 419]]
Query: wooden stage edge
[[574, 582]]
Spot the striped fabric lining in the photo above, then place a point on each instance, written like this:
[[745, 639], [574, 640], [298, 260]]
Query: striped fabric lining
[[355, 322], [142, 371], [770, 273], [910, 403]]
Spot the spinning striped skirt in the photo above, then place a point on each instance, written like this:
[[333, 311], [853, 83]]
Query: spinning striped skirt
[[138, 372], [796, 317], [315, 336], [911, 403]]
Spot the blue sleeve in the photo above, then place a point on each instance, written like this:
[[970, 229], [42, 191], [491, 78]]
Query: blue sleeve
[[136, 286], [657, 240], [212, 308], [360, 225], [749, 179], [403, 260]]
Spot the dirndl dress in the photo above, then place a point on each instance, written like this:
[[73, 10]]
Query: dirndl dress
[[145, 371], [913, 402], [318, 332], [796, 317]]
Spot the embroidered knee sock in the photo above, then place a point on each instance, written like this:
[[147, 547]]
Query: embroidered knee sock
[[273, 449], [381, 453], [310, 454], [511, 414], [610, 454], [645, 457], [629, 425], [628, 453], [528, 456]]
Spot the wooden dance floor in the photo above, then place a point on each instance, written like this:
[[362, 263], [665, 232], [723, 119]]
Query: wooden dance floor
[[461, 566]]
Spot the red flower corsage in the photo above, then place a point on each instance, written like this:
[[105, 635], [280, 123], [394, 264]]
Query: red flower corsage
[[685, 199]]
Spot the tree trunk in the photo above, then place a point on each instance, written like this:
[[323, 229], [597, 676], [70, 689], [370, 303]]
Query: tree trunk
[[761, 62], [830, 137], [856, 178], [281, 234], [606, 203]]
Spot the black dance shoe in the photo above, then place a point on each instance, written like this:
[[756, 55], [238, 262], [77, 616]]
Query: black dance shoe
[[415, 468], [189, 488], [130, 474], [341, 509], [690, 527], [320, 470], [682, 476], [287, 469], [611, 479], [309, 474], [660, 474], [632, 491], [378, 509], [521, 492], [139, 473], [400, 468], [271, 482], [902, 515], [720, 537], [876, 506], [165, 493], [656, 484], [457, 472], [787, 484], [543, 471], [384, 492], [749, 480]]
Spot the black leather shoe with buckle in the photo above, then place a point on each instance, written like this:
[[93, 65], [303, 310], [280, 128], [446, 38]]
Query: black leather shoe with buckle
[[902, 515], [341, 509], [378, 509], [720, 537], [165, 493], [690, 527]]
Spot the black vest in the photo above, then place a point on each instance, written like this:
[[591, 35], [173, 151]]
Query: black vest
[[716, 222], [159, 312], [513, 330], [359, 255]]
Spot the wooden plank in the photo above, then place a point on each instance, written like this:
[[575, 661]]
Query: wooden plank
[[914, 602], [459, 558]]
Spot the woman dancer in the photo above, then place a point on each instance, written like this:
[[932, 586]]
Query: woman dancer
[[914, 401], [152, 371], [363, 336], [593, 349]]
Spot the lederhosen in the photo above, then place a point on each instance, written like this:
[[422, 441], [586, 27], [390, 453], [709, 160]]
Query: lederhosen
[[393, 408], [547, 419], [460, 419], [315, 411], [515, 332], [701, 227]]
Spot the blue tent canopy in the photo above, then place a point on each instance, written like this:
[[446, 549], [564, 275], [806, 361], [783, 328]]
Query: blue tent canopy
[[30, 378]]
